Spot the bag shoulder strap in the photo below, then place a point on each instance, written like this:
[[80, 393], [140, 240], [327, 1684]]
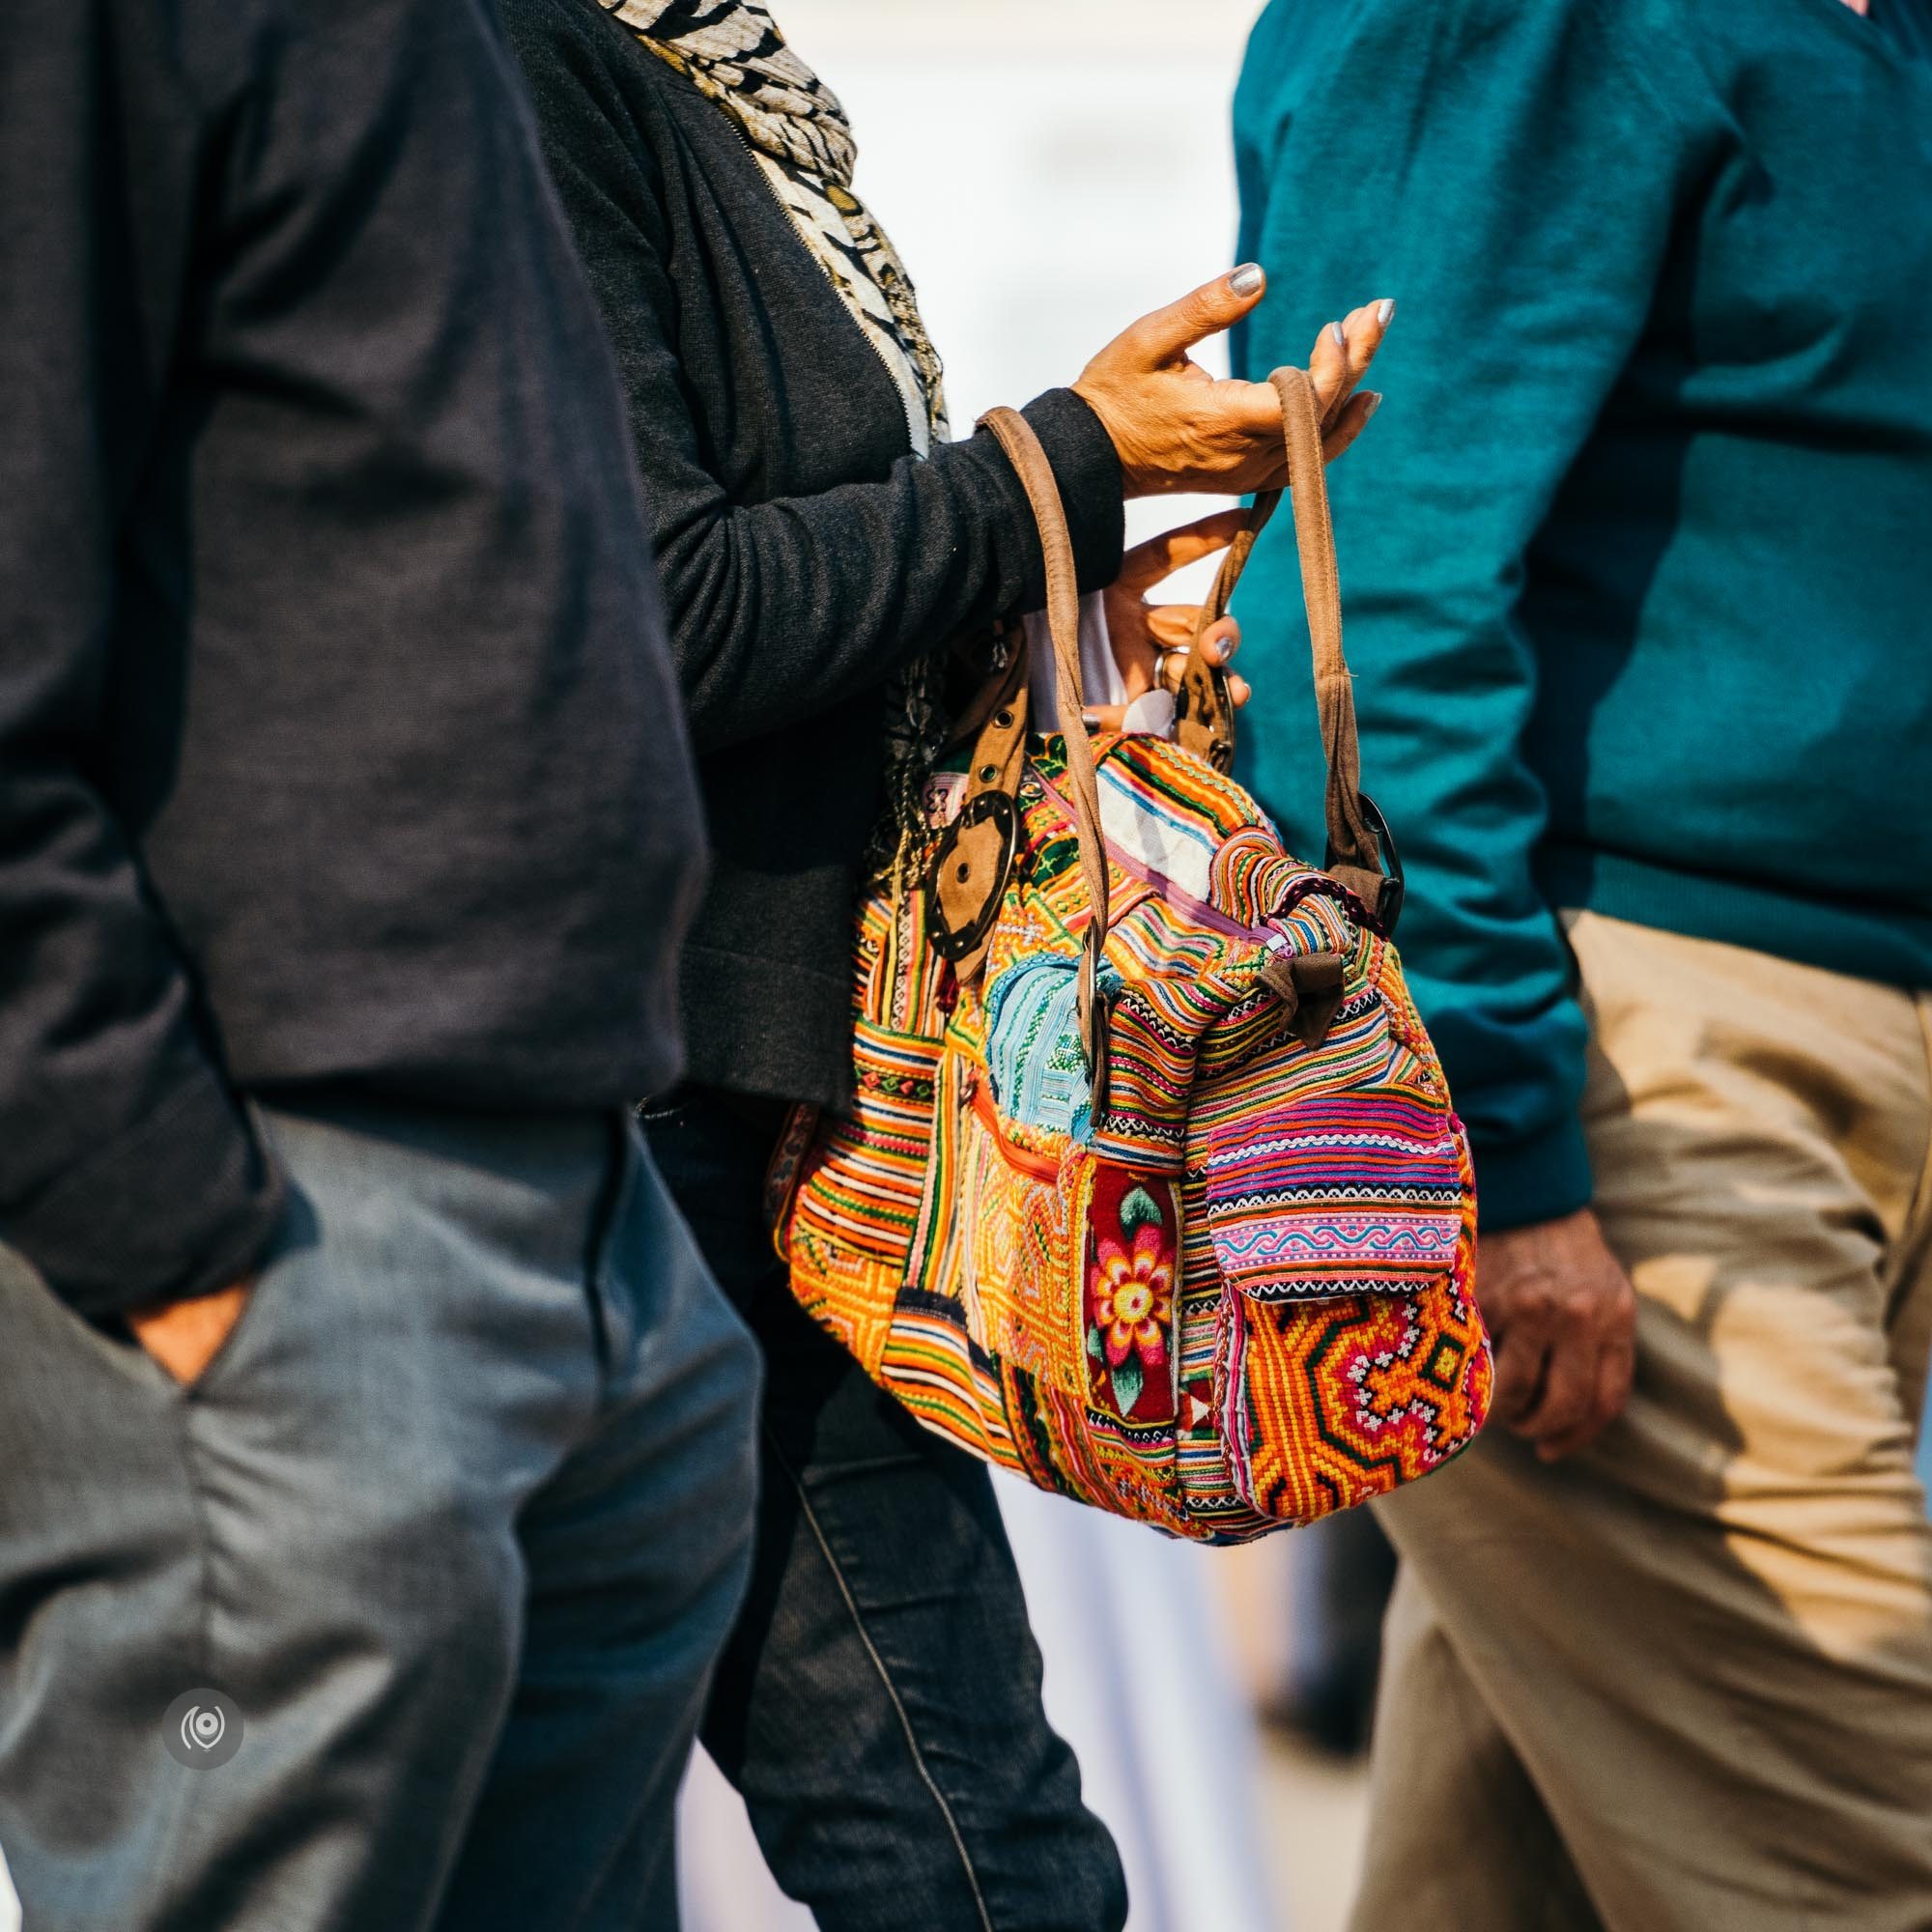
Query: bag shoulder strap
[[1015, 435]]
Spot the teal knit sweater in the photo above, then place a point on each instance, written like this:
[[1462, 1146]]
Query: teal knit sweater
[[1637, 558]]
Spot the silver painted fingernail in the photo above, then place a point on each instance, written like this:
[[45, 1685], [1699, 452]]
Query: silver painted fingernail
[[1340, 340], [1374, 403], [1247, 279], [1384, 310]]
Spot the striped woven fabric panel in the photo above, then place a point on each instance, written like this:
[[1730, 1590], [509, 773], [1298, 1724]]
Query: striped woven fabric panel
[[1355, 1190], [853, 1214]]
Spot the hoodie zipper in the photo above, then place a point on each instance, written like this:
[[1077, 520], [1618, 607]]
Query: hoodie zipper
[[866, 334]]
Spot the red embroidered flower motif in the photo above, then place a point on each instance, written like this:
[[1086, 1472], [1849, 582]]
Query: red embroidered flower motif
[[1130, 1291]]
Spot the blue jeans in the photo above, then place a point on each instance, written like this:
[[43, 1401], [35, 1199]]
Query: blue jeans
[[458, 1518], [879, 1704]]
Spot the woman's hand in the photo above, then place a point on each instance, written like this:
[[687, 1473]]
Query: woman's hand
[[1175, 428], [1151, 641]]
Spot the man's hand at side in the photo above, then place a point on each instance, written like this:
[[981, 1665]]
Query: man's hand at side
[[185, 1336], [1563, 1317]]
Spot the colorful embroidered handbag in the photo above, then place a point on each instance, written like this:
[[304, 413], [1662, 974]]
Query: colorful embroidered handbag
[[1152, 1191]]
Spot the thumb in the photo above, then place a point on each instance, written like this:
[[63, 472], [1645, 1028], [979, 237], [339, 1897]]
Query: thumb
[[1159, 557], [1169, 334]]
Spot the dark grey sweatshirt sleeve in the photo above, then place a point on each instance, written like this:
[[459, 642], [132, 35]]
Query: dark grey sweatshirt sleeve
[[128, 1170], [782, 609]]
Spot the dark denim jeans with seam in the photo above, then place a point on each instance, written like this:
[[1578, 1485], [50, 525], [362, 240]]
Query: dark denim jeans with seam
[[878, 1705]]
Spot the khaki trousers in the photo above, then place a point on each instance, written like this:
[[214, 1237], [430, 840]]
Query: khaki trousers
[[1683, 1683]]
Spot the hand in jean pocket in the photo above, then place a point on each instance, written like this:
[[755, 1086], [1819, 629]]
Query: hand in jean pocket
[[185, 1336]]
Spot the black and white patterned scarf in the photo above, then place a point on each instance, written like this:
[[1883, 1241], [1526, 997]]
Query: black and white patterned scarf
[[733, 52]]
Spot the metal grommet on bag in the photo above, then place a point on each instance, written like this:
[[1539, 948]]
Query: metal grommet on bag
[[989, 832]]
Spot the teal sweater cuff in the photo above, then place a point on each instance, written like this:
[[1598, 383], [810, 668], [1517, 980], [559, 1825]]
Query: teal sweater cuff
[[1520, 1184]]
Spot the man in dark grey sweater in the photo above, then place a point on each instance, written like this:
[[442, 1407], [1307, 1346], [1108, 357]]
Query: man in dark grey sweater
[[374, 1451]]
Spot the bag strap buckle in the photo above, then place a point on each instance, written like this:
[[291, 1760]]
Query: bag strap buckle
[[1383, 890]]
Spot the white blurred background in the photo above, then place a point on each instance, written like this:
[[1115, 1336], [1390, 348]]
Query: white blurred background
[[1049, 172]]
